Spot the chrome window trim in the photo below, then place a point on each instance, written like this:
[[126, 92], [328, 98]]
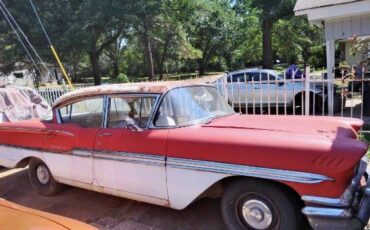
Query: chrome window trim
[[250, 171], [58, 116], [105, 111], [157, 97]]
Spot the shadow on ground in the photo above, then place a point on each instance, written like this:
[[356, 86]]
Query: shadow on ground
[[109, 212]]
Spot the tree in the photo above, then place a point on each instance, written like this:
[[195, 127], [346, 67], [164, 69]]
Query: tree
[[212, 27], [82, 27], [270, 11], [296, 39], [145, 16]]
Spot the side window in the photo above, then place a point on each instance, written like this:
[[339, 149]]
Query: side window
[[264, 77], [241, 77], [126, 110], [87, 113]]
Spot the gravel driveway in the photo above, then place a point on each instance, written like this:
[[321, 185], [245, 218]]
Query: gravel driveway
[[109, 212]]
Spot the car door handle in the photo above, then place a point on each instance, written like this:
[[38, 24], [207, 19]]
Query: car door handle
[[105, 134]]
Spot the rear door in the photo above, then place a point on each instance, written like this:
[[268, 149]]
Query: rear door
[[128, 157], [69, 143]]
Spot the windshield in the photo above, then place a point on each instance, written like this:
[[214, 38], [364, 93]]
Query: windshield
[[191, 105]]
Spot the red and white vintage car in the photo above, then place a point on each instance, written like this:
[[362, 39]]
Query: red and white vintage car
[[172, 143]]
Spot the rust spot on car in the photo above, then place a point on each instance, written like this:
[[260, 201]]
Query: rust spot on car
[[144, 87]]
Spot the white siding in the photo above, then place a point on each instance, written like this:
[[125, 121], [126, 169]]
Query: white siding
[[347, 27]]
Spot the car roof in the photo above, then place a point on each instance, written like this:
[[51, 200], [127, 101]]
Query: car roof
[[142, 88], [269, 71]]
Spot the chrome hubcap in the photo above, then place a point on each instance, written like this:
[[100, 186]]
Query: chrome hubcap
[[257, 214], [42, 174]]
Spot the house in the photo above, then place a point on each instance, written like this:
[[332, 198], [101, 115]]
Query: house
[[343, 20], [21, 75]]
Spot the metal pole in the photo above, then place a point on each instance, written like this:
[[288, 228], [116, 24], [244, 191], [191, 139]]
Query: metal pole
[[330, 58], [51, 46], [307, 86]]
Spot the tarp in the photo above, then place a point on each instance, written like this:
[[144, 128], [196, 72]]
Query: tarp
[[20, 103]]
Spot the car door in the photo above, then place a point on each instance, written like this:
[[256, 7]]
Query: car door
[[270, 89], [239, 90], [129, 157], [69, 143], [255, 87]]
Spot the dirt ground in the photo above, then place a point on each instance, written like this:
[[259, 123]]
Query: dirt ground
[[109, 212]]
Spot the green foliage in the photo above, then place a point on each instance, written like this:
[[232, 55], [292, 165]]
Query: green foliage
[[296, 40], [122, 78], [360, 46], [161, 37]]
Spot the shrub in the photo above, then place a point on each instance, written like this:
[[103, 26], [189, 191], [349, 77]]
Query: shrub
[[122, 78]]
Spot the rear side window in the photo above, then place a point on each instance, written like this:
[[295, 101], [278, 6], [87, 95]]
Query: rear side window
[[239, 77], [86, 113], [263, 77]]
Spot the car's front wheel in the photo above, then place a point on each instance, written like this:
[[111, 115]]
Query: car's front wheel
[[41, 178], [254, 204]]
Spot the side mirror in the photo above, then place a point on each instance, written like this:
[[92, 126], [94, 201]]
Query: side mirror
[[134, 128]]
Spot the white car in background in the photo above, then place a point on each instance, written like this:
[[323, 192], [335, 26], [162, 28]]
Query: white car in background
[[263, 87]]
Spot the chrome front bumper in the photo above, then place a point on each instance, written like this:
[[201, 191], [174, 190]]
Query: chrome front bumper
[[350, 211]]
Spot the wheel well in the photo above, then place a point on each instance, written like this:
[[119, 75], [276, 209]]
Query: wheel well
[[216, 189], [313, 95], [25, 162]]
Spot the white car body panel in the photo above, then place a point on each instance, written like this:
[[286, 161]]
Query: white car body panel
[[185, 185], [138, 178], [278, 92]]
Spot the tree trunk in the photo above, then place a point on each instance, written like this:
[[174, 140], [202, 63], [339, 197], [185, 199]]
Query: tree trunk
[[202, 67], [163, 57], [115, 69], [94, 60], [148, 52], [267, 44]]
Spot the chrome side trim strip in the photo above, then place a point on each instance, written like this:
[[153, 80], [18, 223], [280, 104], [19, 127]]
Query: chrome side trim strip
[[251, 171], [135, 158], [348, 196], [334, 202], [327, 212], [82, 153]]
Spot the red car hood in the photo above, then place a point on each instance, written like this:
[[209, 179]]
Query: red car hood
[[322, 145], [326, 127]]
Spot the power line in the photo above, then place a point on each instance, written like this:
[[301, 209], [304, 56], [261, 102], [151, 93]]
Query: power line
[[19, 38], [42, 26], [25, 36], [51, 46]]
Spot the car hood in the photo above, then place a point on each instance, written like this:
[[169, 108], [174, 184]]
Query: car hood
[[325, 127], [322, 145], [16, 217]]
